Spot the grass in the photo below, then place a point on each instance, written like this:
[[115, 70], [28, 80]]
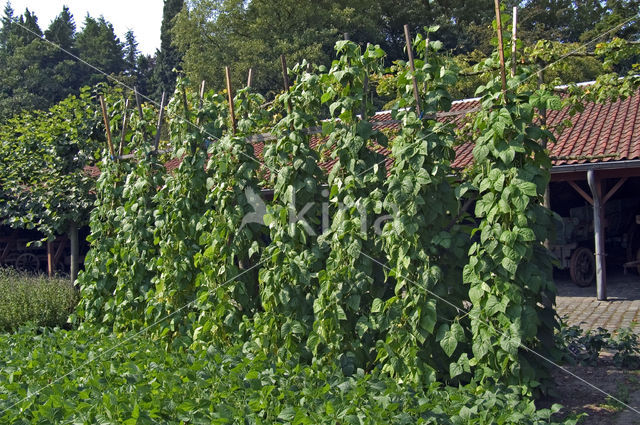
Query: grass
[[26, 298]]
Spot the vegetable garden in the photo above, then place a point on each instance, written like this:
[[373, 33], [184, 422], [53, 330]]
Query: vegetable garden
[[364, 295]]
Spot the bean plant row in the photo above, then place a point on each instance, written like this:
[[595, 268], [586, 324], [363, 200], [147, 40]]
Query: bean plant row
[[372, 265]]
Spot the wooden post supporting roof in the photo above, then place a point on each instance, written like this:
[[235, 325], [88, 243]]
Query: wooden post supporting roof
[[595, 184], [50, 258]]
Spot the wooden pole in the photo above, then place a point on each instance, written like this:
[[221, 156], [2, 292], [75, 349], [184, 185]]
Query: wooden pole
[[105, 117], [232, 113], [202, 85], [416, 95], [125, 123], [156, 142], [598, 229], [250, 78], [138, 102], [501, 50], [514, 35], [50, 258], [75, 261]]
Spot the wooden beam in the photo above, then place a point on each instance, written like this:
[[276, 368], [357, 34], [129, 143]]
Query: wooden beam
[[614, 189], [59, 251], [416, 95], [232, 113], [501, 50], [598, 230], [125, 123], [105, 117], [50, 258], [582, 193], [612, 173]]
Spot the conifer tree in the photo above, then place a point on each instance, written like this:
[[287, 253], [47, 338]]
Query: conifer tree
[[168, 57]]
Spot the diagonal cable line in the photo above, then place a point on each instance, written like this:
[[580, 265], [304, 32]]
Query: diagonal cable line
[[499, 332], [127, 339]]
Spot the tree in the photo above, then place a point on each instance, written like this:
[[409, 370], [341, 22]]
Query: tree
[[168, 57], [7, 22], [130, 53], [62, 30], [145, 70], [43, 183], [98, 45]]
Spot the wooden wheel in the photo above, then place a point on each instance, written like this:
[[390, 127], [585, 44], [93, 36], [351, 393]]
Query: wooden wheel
[[27, 262], [582, 267]]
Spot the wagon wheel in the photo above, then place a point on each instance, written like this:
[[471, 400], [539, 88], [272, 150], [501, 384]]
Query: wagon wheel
[[582, 267], [28, 262]]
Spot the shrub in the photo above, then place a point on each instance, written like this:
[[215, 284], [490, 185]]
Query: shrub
[[38, 299]]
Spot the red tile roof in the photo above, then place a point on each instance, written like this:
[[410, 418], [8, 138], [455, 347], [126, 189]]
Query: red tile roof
[[601, 133]]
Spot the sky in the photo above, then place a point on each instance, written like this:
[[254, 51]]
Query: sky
[[144, 17]]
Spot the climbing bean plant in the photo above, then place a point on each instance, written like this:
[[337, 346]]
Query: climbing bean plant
[[373, 264], [291, 262], [509, 269], [230, 243], [424, 250], [350, 281]]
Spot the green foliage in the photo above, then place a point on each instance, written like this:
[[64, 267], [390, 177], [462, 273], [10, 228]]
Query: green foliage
[[43, 181], [168, 58], [32, 299], [135, 381], [425, 253], [37, 73], [430, 297], [509, 269], [350, 281], [322, 285]]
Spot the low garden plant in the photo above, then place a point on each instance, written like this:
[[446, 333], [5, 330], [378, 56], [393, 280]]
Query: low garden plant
[[27, 298], [72, 377]]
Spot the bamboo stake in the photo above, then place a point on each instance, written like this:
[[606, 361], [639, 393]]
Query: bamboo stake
[[407, 37], [513, 41], [105, 117], [202, 86], [200, 102], [250, 78], [285, 77], [125, 123], [501, 50], [138, 102], [230, 95], [159, 126]]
